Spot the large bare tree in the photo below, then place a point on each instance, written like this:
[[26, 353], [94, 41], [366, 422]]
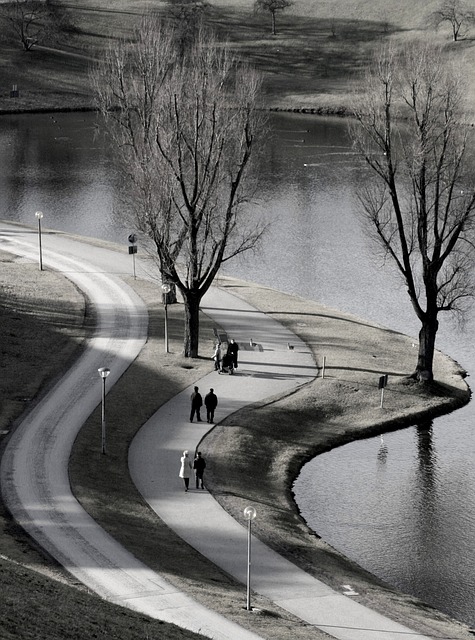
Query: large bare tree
[[184, 126], [420, 203]]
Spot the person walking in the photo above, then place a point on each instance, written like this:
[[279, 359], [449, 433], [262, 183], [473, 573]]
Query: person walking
[[196, 404], [185, 469], [211, 402], [217, 357], [233, 349], [199, 465]]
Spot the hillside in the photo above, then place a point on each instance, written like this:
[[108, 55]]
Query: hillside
[[312, 62]]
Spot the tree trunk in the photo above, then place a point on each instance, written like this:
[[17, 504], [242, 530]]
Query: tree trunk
[[192, 324], [427, 334]]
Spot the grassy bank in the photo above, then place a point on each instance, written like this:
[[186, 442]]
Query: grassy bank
[[34, 606], [313, 61]]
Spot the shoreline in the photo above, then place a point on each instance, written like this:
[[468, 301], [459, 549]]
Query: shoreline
[[281, 525], [321, 110], [291, 537]]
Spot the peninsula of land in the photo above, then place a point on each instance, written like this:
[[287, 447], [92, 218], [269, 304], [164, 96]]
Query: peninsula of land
[[332, 410]]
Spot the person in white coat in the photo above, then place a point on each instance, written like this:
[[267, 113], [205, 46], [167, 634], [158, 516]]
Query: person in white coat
[[185, 469], [217, 356]]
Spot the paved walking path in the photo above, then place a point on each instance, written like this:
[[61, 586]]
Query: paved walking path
[[34, 468], [266, 370]]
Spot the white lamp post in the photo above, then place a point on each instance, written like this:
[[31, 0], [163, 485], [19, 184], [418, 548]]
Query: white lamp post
[[103, 372], [249, 514], [166, 288], [39, 216]]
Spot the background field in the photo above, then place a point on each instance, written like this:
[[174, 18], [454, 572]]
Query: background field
[[313, 61]]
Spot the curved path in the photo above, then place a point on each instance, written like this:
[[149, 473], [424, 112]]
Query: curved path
[[266, 370], [34, 467]]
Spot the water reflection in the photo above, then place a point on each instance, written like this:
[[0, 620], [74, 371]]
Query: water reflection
[[402, 506], [427, 459], [383, 451], [424, 500]]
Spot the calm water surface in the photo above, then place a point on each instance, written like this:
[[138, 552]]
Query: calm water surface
[[404, 509]]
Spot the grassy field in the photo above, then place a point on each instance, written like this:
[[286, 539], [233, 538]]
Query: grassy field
[[36, 607], [313, 61]]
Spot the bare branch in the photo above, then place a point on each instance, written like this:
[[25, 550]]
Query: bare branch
[[32, 22], [457, 14], [422, 206]]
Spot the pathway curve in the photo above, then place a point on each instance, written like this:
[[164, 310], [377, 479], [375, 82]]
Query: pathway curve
[[34, 467], [266, 370], [34, 475]]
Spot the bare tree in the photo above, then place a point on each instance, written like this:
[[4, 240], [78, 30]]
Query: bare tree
[[272, 6], [32, 22], [420, 206], [184, 129], [458, 14]]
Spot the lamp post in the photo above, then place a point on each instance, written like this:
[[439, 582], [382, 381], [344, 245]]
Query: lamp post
[[133, 249], [103, 372], [39, 215], [249, 514], [166, 288]]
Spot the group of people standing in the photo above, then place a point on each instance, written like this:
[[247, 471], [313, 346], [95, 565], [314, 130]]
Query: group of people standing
[[230, 358]]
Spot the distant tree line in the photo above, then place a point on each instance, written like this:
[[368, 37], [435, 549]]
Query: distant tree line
[[33, 23]]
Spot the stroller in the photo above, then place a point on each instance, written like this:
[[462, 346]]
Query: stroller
[[227, 365]]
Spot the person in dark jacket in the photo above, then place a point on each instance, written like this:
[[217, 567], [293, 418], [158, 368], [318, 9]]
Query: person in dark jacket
[[233, 349], [211, 402], [199, 465], [196, 404]]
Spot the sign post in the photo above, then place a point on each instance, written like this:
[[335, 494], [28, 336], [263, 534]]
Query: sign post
[[383, 381], [166, 288]]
